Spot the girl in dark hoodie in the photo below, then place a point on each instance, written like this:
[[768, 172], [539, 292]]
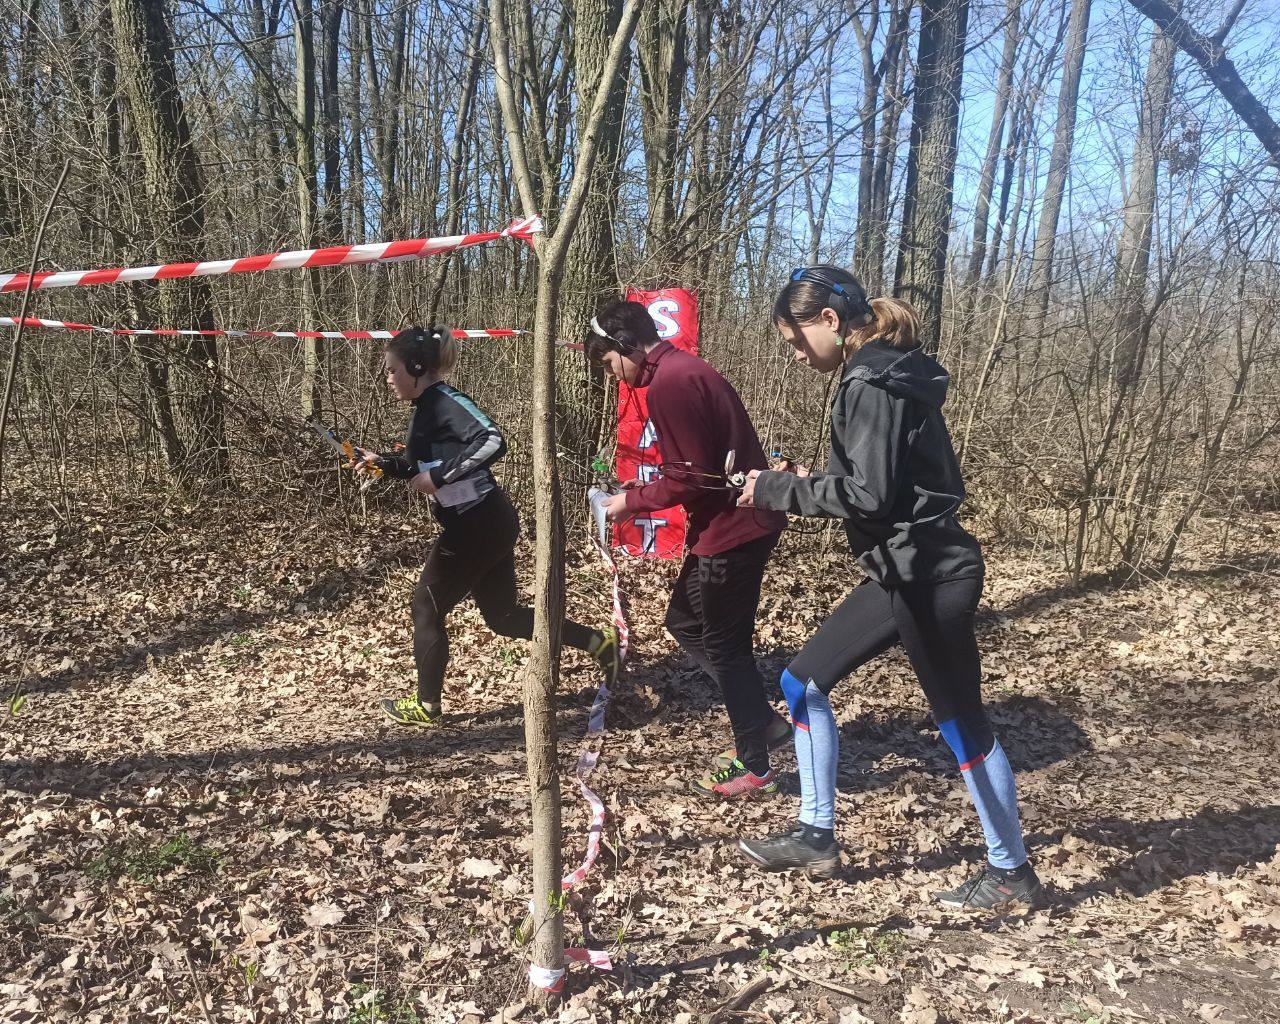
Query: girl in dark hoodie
[[894, 480]]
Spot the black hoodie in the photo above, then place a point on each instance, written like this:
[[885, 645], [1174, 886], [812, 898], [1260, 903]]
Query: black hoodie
[[892, 476]]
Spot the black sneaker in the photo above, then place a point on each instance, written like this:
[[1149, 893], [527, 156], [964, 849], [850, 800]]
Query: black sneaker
[[788, 850], [992, 888]]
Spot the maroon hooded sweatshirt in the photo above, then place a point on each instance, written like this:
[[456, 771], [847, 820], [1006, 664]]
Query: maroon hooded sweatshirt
[[699, 418]]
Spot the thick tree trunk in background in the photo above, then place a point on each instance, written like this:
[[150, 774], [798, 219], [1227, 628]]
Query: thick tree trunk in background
[[1064, 134], [175, 193], [661, 52], [1133, 254], [149, 353], [874, 232], [931, 162], [305, 182], [590, 276]]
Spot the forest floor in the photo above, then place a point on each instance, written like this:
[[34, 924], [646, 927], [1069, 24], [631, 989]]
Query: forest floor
[[203, 816]]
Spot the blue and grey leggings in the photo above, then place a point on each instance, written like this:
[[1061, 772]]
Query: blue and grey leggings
[[934, 624]]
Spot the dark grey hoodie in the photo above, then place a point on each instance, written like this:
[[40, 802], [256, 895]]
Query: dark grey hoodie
[[892, 476]]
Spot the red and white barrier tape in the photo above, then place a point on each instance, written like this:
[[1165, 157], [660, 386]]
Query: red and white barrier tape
[[550, 979], [333, 256], [9, 321]]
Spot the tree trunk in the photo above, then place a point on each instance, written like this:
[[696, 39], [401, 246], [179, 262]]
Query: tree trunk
[[1207, 51], [867, 137], [358, 198], [457, 155], [305, 175], [1064, 133], [661, 51], [330, 110], [1133, 254], [590, 276], [543, 668], [385, 104], [931, 163], [995, 142], [894, 82], [175, 192], [1133, 260], [266, 108]]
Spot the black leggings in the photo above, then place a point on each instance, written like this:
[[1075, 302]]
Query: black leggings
[[473, 555], [934, 624], [712, 615]]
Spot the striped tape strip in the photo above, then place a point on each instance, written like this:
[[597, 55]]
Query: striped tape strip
[[9, 321], [333, 256]]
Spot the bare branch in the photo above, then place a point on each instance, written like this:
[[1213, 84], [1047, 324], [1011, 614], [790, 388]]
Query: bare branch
[[1218, 68], [588, 144], [511, 120]]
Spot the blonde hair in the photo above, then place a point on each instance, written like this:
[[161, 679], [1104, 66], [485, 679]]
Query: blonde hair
[[448, 356], [894, 322]]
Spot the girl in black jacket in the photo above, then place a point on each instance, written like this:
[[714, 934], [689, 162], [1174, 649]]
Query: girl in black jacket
[[894, 480], [448, 449]]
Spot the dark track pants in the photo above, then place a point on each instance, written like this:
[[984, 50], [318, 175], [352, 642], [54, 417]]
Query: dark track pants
[[712, 615], [473, 555]]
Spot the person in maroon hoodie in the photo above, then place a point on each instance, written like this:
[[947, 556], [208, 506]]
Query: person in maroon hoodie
[[698, 419]]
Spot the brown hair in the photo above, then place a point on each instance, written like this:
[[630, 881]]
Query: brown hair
[[425, 350], [896, 323], [822, 286]]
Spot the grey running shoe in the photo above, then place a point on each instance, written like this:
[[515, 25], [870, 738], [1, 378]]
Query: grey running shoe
[[788, 851], [991, 888]]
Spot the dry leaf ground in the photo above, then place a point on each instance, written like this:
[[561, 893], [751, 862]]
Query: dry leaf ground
[[205, 819]]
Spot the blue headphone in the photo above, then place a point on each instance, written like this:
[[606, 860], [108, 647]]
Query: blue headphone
[[848, 305]]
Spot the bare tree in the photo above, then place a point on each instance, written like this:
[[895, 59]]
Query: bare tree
[[304, 136], [995, 144], [931, 162], [873, 229], [1064, 133], [590, 267], [544, 662], [175, 189], [661, 51], [1209, 53]]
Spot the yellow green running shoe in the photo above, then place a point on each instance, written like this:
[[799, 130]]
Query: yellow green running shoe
[[408, 711], [608, 655]]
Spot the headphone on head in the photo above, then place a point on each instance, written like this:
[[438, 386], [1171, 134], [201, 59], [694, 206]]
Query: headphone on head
[[621, 347], [430, 339], [849, 305]]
